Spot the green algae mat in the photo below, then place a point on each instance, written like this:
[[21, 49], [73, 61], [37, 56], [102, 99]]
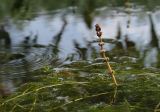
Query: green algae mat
[[85, 86]]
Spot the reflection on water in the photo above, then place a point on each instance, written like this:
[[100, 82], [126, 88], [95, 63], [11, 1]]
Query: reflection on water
[[4, 38], [71, 31]]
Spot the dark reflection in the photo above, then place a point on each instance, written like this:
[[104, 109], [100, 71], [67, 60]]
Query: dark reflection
[[154, 37], [73, 4], [118, 36], [88, 11], [119, 43], [17, 5], [22, 9], [26, 40], [128, 42], [82, 51], [151, 54], [57, 38], [35, 39], [26, 44], [4, 37], [128, 11]]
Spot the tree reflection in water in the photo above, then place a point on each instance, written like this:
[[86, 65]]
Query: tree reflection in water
[[5, 39]]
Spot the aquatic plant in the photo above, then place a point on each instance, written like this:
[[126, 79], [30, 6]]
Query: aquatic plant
[[102, 52], [82, 86]]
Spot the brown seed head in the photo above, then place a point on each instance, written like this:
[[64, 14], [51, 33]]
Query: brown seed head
[[99, 34], [98, 28]]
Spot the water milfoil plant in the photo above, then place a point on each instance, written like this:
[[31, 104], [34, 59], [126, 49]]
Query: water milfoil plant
[[102, 52]]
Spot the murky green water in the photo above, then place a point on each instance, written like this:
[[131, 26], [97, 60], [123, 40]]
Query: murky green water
[[50, 62]]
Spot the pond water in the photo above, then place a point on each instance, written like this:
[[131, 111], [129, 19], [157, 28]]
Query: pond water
[[49, 37]]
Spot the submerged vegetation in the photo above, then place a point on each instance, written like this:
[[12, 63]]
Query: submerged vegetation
[[84, 86]]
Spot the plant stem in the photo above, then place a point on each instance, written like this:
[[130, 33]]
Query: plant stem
[[102, 52]]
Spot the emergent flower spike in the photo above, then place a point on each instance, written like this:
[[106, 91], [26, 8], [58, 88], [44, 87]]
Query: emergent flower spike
[[102, 51]]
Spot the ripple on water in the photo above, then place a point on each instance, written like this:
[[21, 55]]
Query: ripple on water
[[34, 58]]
